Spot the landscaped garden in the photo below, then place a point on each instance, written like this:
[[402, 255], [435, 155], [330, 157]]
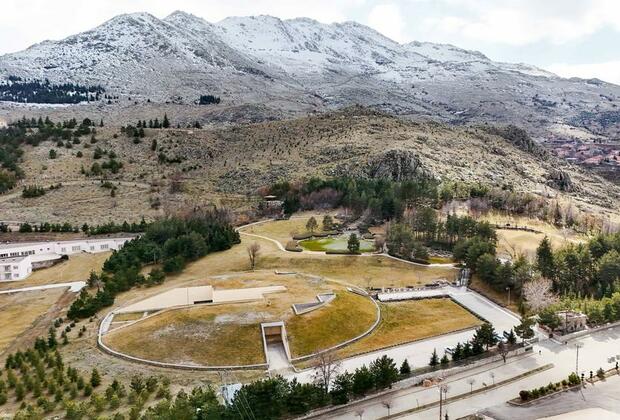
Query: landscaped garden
[[335, 244]]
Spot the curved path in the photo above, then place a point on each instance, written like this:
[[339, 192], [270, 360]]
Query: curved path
[[15, 194], [364, 254]]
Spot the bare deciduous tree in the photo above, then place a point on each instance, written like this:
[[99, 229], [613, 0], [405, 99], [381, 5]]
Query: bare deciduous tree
[[253, 251], [380, 243], [538, 294], [326, 367]]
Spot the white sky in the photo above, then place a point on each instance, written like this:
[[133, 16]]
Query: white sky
[[568, 37]]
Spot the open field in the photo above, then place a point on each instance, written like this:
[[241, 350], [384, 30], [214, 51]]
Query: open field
[[363, 271], [515, 242], [282, 230], [76, 268], [346, 317], [19, 311], [406, 321]]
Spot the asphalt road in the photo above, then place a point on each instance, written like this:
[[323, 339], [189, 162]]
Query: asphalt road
[[602, 395], [596, 349]]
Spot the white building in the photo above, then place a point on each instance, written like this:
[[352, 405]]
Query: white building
[[17, 260], [15, 268]]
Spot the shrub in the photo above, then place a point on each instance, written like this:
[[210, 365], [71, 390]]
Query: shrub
[[524, 395], [600, 373], [564, 382], [573, 379], [31, 191]]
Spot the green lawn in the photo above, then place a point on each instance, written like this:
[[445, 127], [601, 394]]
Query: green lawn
[[335, 243], [346, 317]]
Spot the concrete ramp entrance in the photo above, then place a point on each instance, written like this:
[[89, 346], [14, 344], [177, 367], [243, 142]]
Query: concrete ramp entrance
[[277, 357], [275, 343]]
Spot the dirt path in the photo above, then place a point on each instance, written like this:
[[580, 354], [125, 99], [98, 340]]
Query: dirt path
[[41, 325], [8, 197]]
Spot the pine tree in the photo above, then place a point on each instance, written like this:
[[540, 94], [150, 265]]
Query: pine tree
[[444, 360], [166, 123], [51, 338], [512, 338], [404, 368], [311, 225], [95, 378], [353, 245], [544, 259], [434, 359]]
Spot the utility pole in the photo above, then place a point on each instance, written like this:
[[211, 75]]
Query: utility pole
[[577, 346], [508, 289]]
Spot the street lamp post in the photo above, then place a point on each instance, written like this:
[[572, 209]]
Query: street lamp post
[[443, 391]]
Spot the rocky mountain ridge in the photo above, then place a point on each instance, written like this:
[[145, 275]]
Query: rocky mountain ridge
[[299, 66]]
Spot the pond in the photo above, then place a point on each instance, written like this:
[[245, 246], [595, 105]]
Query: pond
[[335, 243]]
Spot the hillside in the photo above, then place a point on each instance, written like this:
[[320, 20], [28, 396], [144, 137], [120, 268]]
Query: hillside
[[227, 165], [265, 68]]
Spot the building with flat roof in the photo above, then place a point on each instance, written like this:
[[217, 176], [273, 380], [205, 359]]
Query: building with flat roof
[[571, 321], [19, 259], [15, 268]]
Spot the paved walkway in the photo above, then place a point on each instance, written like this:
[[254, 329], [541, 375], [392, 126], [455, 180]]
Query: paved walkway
[[595, 350], [75, 287], [602, 396], [277, 358], [418, 353]]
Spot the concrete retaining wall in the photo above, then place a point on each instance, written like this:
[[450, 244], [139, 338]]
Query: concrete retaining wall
[[106, 349]]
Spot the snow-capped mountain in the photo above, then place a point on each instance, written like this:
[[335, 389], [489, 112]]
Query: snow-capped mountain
[[302, 65]]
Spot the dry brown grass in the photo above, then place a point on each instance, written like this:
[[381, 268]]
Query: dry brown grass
[[192, 336], [514, 242], [359, 270], [19, 311], [76, 268], [500, 297], [208, 334], [284, 230], [346, 317], [364, 271], [128, 316], [402, 322], [245, 160]]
